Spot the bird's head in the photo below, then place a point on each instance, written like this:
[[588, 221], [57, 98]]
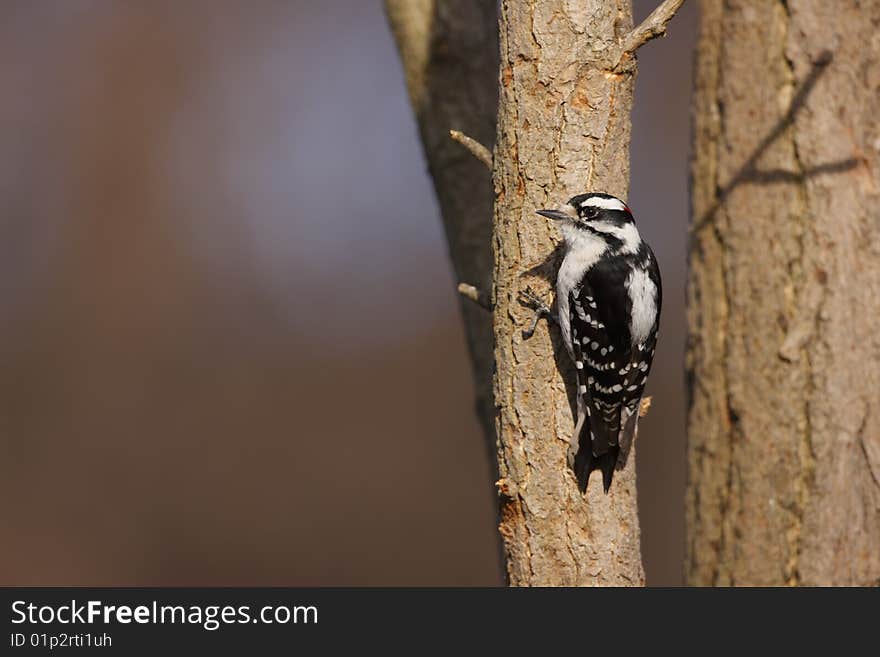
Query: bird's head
[[591, 210], [598, 215]]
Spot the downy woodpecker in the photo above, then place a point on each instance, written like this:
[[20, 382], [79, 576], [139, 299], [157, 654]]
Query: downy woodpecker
[[608, 297]]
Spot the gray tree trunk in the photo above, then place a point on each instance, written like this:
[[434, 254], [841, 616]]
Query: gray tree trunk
[[784, 295]]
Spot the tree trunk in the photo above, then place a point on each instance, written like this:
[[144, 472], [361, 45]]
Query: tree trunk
[[784, 295], [563, 129], [449, 50]]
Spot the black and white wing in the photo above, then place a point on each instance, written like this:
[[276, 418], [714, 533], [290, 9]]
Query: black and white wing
[[639, 367], [598, 360], [641, 356], [611, 372]]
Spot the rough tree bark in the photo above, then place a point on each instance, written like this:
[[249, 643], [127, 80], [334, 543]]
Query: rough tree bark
[[563, 128], [784, 295], [565, 94]]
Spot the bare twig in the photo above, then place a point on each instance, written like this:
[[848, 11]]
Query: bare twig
[[476, 148], [652, 27], [470, 292]]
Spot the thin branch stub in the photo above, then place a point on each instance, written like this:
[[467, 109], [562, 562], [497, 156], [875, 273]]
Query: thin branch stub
[[476, 148], [470, 292], [652, 27]]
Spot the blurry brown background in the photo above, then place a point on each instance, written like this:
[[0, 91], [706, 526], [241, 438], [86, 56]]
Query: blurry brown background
[[229, 343]]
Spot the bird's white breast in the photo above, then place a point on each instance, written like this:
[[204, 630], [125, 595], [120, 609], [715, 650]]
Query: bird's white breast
[[583, 250]]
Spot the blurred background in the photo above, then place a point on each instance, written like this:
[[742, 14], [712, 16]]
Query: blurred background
[[230, 350]]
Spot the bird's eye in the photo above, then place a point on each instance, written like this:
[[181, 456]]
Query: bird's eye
[[591, 212]]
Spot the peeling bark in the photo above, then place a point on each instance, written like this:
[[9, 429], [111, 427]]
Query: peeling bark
[[784, 295]]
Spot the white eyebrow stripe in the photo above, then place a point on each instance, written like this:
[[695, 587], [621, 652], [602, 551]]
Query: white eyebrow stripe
[[605, 203]]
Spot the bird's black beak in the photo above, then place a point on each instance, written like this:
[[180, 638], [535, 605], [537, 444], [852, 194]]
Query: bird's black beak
[[560, 214]]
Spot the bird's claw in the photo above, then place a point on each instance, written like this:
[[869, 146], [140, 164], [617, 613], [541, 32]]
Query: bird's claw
[[529, 299]]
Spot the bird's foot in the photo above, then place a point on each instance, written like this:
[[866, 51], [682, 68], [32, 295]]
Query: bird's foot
[[529, 299]]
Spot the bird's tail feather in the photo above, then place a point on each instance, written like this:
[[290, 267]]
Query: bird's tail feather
[[585, 461]]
